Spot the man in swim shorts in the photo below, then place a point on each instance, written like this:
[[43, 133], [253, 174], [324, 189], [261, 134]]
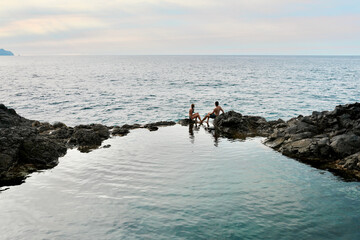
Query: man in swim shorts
[[214, 113]]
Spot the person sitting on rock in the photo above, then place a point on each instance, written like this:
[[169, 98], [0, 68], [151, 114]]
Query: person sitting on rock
[[214, 113], [192, 114]]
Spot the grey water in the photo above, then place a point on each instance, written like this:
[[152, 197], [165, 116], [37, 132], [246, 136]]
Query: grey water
[[115, 90], [178, 182]]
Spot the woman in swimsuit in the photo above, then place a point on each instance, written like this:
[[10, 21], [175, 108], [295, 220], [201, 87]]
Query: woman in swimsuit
[[192, 114]]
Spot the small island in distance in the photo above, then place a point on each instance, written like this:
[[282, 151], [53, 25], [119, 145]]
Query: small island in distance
[[3, 52]]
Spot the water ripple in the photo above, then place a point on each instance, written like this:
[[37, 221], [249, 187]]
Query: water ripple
[[131, 87]]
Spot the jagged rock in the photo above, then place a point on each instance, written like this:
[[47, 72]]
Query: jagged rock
[[130, 127], [233, 124], [27, 146], [41, 152], [62, 133], [154, 126], [119, 131], [345, 144], [276, 143], [322, 137], [85, 137], [35, 124], [9, 118], [101, 130], [88, 137], [59, 125], [22, 148], [43, 127], [6, 162], [160, 124], [351, 162], [186, 122]]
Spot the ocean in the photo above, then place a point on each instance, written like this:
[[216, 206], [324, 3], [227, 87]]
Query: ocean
[[178, 182], [115, 90]]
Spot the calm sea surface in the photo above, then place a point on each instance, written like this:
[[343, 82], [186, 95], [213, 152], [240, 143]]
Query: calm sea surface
[[115, 90], [178, 182]]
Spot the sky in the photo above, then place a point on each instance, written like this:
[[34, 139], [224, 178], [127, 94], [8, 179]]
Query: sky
[[180, 27]]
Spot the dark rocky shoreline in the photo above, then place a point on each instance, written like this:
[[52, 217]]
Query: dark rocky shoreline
[[327, 140], [28, 146]]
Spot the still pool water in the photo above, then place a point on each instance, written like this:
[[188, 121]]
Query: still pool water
[[181, 183]]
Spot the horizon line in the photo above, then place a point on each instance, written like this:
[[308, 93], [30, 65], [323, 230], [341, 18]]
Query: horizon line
[[260, 55]]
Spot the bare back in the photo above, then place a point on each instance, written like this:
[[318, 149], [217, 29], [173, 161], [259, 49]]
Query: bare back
[[191, 112], [217, 110]]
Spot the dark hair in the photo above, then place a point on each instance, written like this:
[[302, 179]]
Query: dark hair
[[192, 105], [216, 103]]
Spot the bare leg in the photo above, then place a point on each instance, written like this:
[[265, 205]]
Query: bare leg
[[195, 116], [201, 121], [204, 119], [207, 117], [198, 116]]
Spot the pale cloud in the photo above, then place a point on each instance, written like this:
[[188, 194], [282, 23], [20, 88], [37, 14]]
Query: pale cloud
[[287, 29], [177, 27], [49, 24]]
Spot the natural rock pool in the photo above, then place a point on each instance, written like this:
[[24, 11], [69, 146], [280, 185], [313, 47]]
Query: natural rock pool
[[181, 183]]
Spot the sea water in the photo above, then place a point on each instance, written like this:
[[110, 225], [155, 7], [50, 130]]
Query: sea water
[[115, 90], [178, 182]]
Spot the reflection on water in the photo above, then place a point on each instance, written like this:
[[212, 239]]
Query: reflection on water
[[160, 185], [211, 130], [191, 133], [193, 127]]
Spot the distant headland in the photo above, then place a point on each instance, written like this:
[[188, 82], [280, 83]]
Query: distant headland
[[3, 52]]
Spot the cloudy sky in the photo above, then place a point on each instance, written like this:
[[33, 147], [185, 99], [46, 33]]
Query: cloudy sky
[[48, 27]]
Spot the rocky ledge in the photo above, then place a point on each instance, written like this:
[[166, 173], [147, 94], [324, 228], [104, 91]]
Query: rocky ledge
[[327, 140], [235, 125], [27, 146]]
